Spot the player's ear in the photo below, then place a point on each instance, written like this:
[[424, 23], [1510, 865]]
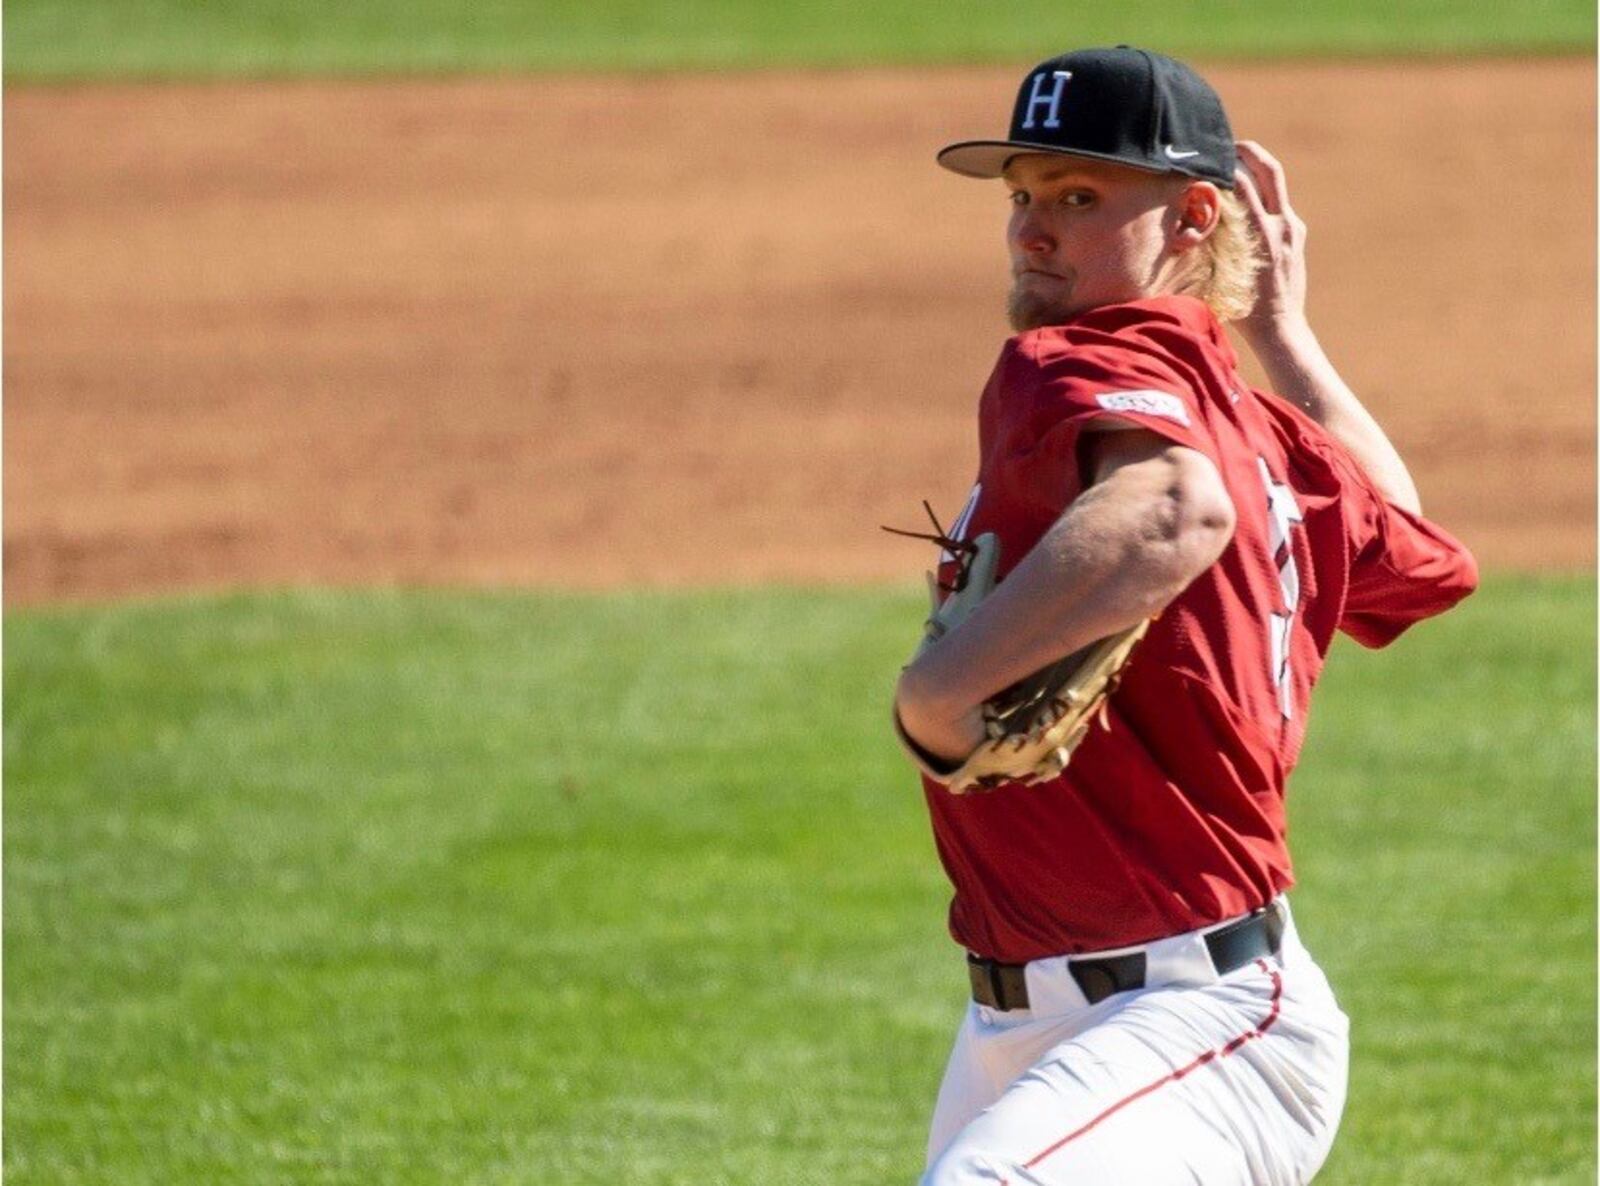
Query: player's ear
[[1195, 212]]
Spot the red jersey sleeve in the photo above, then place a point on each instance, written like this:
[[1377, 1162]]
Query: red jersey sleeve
[[1100, 386], [1403, 568]]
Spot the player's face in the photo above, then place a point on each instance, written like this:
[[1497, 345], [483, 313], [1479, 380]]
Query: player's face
[[1084, 233]]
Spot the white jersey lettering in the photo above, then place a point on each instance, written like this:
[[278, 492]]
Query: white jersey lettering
[[1282, 514]]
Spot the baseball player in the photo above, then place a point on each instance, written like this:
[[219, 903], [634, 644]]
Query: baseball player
[[1142, 1010]]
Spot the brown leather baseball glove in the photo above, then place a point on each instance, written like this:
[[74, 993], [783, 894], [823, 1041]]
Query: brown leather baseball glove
[[1036, 723]]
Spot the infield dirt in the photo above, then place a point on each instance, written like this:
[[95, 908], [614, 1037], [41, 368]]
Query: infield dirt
[[675, 330]]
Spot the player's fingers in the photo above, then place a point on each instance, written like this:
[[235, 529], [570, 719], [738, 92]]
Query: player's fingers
[[1245, 185], [1274, 188], [1250, 166], [1256, 170], [1278, 236], [1264, 172], [1268, 174]]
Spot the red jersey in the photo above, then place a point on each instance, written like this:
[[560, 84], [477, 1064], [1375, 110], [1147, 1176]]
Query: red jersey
[[1173, 818]]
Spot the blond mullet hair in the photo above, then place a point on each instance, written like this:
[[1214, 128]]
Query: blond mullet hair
[[1223, 272]]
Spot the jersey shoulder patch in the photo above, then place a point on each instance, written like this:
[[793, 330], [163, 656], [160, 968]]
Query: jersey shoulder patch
[[1146, 402]]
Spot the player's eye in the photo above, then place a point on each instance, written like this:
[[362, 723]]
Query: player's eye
[[1076, 197], [1018, 197]]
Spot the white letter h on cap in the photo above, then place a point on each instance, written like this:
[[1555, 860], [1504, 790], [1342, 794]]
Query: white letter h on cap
[[1051, 102]]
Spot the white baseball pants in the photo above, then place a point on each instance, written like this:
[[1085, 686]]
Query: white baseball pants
[[1195, 1079]]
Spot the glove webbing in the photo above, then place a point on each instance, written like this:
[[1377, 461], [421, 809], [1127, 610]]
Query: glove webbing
[[961, 549]]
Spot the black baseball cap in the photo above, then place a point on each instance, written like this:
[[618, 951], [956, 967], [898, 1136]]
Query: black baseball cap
[[1126, 105]]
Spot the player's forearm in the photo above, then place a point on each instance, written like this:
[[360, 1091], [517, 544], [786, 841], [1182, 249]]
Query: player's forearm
[[1299, 370], [1124, 549]]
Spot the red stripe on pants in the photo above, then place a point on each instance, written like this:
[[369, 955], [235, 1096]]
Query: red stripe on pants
[[1209, 1056]]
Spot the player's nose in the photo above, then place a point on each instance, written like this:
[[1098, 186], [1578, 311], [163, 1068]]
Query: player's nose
[[1031, 233]]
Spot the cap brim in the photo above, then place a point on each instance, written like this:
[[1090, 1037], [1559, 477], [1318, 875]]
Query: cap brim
[[988, 158]]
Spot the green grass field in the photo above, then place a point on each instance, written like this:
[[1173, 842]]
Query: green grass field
[[354, 888], [59, 39]]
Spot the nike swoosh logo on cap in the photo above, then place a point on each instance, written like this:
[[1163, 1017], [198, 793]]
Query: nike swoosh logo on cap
[[1174, 155]]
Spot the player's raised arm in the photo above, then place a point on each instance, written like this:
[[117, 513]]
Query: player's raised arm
[[1280, 335]]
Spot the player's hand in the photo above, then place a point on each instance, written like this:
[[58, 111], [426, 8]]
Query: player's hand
[[943, 732], [1280, 306]]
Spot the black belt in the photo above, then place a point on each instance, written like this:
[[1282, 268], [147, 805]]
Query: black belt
[[1005, 986]]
